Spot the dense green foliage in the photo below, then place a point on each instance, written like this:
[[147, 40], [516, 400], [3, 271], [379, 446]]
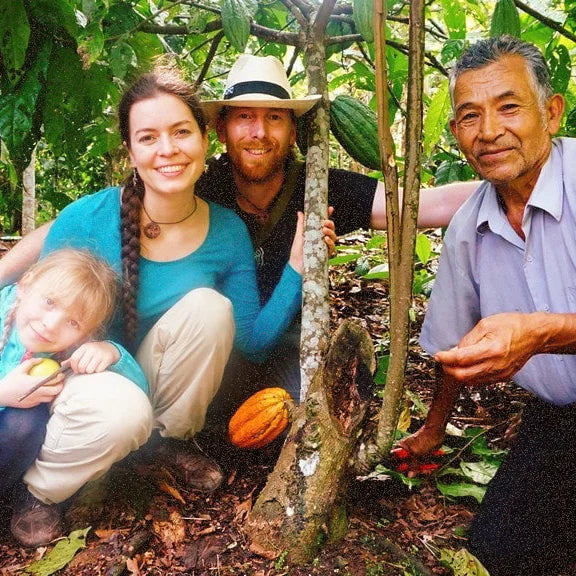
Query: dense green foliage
[[64, 62]]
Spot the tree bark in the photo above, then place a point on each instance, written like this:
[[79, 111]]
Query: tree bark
[[402, 239], [303, 502], [29, 196]]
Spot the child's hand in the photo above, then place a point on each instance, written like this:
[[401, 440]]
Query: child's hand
[[17, 382], [94, 357]]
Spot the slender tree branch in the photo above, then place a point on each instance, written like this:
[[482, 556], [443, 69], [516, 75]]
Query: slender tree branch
[[269, 34], [300, 11], [432, 60], [211, 53], [323, 16], [545, 20], [292, 62], [201, 6]]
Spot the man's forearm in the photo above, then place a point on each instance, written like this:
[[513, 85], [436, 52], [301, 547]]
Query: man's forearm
[[447, 392], [437, 205], [555, 332], [17, 260]]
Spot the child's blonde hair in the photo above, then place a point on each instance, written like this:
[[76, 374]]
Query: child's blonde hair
[[78, 280]]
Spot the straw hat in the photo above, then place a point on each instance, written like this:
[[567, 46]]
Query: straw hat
[[258, 82]]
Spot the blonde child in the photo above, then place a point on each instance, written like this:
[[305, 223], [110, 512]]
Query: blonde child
[[58, 309]]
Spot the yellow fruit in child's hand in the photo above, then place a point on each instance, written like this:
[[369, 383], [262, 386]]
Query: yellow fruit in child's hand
[[44, 368]]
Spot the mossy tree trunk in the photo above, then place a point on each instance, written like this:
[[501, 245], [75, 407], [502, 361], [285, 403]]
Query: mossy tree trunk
[[302, 503]]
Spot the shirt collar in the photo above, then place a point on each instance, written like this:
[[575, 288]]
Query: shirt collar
[[547, 195]]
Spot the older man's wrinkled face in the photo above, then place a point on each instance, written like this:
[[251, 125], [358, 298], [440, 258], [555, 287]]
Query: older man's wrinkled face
[[501, 127]]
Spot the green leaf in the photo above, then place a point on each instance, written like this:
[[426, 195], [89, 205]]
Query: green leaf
[[55, 16], [436, 117], [423, 248], [343, 259], [377, 241], [461, 490], [379, 272], [122, 59], [452, 50], [505, 19], [383, 473], [91, 43], [18, 110], [479, 472], [453, 170], [462, 562], [364, 18], [236, 20], [382, 370], [454, 18], [60, 555], [14, 34], [560, 65]]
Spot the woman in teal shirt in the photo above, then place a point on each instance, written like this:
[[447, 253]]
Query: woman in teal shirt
[[189, 294]]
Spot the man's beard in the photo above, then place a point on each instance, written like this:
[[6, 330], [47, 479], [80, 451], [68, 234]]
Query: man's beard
[[259, 172]]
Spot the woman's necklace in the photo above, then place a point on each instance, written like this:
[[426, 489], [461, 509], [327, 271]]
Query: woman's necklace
[[152, 229]]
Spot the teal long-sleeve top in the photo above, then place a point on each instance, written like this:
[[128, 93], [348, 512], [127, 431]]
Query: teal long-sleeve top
[[13, 351], [224, 262]]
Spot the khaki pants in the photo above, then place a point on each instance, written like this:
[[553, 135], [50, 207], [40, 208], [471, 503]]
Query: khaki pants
[[100, 418]]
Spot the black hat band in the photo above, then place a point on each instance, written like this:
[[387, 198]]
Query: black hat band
[[256, 87]]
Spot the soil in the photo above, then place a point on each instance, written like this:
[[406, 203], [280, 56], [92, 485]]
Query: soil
[[145, 522]]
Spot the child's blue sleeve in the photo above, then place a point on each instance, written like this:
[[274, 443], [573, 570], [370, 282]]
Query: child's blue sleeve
[[128, 367]]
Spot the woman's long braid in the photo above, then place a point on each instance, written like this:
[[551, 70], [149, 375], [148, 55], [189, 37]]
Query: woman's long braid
[[132, 194], [164, 79], [8, 325]]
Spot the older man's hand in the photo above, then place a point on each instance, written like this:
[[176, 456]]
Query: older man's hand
[[494, 350]]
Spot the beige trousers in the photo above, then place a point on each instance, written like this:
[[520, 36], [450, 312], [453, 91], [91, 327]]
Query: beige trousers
[[183, 357], [100, 418]]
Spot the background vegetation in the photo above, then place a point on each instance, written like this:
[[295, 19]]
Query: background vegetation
[[64, 62]]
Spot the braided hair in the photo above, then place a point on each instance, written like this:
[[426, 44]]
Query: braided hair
[[164, 79]]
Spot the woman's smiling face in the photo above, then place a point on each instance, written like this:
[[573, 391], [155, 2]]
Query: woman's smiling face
[[166, 144]]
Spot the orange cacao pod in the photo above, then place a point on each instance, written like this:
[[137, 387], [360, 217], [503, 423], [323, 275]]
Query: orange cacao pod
[[261, 418]]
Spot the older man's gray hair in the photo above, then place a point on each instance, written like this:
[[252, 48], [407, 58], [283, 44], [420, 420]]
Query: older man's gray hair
[[491, 50]]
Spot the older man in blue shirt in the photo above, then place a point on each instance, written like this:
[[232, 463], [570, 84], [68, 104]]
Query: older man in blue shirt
[[504, 301]]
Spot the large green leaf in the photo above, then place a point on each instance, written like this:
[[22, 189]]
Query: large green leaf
[[462, 562], [454, 18], [560, 65], [423, 248], [18, 109], [505, 19], [60, 555], [91, 43], [479, 472], [462, 489], [236, 20], [122, 59], [436, 117], [14, 34], [54, 16], [364, 18]]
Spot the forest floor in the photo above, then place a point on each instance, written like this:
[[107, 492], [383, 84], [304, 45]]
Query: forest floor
[[145, 523]]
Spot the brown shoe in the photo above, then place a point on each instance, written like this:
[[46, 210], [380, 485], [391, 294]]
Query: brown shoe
[[190, 464], [34, 523]]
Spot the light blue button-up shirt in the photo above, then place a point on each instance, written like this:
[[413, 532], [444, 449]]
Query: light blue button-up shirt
[[486, 268]]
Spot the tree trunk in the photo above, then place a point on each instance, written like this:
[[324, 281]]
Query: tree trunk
[[29, 196], [402, 242], [302, 503]]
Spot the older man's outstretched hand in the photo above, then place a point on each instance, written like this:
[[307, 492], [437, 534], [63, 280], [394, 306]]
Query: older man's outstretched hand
[[494, 350]]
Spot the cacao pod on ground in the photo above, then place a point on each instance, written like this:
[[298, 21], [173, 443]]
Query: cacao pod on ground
[[261, 418]]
